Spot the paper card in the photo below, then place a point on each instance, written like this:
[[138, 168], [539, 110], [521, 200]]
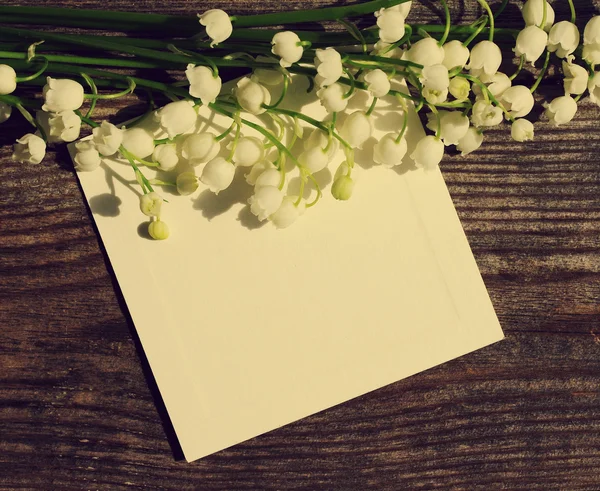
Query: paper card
[[248, 328]]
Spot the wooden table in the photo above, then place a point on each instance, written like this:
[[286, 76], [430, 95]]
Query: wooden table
[[79, 408]]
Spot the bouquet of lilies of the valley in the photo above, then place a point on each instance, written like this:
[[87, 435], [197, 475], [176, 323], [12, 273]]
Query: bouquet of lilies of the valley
[[451, 72]]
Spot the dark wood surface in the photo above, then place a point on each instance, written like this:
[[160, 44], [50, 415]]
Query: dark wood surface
[[78, 407]]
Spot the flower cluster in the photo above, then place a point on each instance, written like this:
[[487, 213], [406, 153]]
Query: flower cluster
[[454, 79]]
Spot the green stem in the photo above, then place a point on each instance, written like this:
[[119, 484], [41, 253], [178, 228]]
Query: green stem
[[480, 26], [36, 74], [284, 90], [236, 139], [544, 13], [501, 8], [573, 15], [127, 91], [94, 89], [372, 106], [439, 120], [519, 68], [486, 6], [404, 125], [538, 80], [447, 26], [352, 81]]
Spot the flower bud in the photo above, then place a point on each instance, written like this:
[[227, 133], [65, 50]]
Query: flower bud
[[521, 130], [391, 25], [63, 126], [138, 142], [563, 38], [158, 230], [287, 45], [62, 95], [199, 148], [484, 113], [455, 54], [471, 141], [378, 83], [107, 138], [594, 88], [576, 78], [518, 101], [176, 117], [218, 25], [8, 80], [357, 129], [166, 156], [249, 151], [485, 60], [425, 52], [453, 125], [187, 183], [150, 204], [428, 153], [342, 188], [533, 13], [332, 98], [251, 96], [435, 77], [87, 157], [218, 174], [203, 84], [328, 63], [286, 214], [29, 149], [591, 33], [5, 111], [531, 42], [389, 153], [459, 88], [561, 110], [265, 201]]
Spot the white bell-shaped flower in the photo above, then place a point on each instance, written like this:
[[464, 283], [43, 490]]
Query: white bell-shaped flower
[[328, 63], [403, 8], [64, 126], [258, 169], [218, 25], [460, 88], [107, 138], [203, 83], [518, 101], [391, 25], [332, 98], [186, 183], [497, 85], [218, 174], [594, 88], [484, 113], [485, 60], [455, 54], [166, 156], [576, 78], [5, 111], [62, 95], [388, 152], [8, 79], [252, 95], [521, 130], [591, 53], [425, 52], [158, 230], [471, 141], [435, 77], [453, 125], [267, 76], [561, 110], [434, 96], [249, 151], [86, 157], [591, 33], [29, 149], [385, 50], [314, 159], [287, 45], [139, 142], [357, 129], [286, 214], [320, 139], [563, 38], [151, 204], [531, 42], [378, 83], [428, 153], [265, 201], [176, 117], [533, 13], [199, 148], [270, 177]]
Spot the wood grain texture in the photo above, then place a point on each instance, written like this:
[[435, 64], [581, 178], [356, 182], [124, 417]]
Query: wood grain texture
[[79, 410]]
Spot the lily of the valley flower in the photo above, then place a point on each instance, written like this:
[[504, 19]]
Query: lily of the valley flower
[[186, 183], [287, 213], [287, 45], [484, 114], [485, 60], [594, 88], [269, 177], [138, 142], [199, 148], [533, 13], [471, 141], [357, 129], [522, 130], [265, 201], [563, 38], [5, 112], [62, 95], [328, 63], [434, 96], [107, 138], [29, 149], [320, 139], [456, 54], [591, 41], [158, 230], [166, 156], [218, 174], [249, 151], [388, 152], [453, 125], [518, 101], [460, 88], [64, 126], [86, 157], [332, 98], [531, 42], [391, 25], [561, 110], [435, 77], [403, 8], [218, 25], [342, 187], [8, 80], [498, 84], [378, 83], [151, 204], [313, 159], [428, 153], [203, 83], [252, 96], [576, 78], [176, 117], [425, 52]]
